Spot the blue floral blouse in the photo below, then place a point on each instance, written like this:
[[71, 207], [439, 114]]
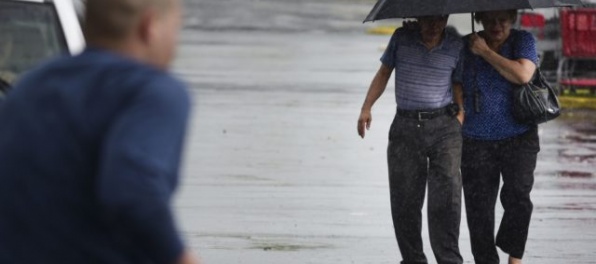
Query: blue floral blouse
[[495, 120]]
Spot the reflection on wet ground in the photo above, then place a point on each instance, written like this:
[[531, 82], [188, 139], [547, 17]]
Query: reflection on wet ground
[[576, 174], [275, 172], [574, 142]]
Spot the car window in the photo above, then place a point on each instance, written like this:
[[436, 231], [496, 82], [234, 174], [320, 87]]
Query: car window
[[29, 33]]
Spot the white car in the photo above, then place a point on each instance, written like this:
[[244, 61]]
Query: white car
[[32, 31]]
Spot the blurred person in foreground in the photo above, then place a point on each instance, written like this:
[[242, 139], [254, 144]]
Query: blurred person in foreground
[[496, 60], [425, 137], [90, 146]]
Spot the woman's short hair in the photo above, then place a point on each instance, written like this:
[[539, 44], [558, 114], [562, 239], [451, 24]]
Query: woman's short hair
[[478, 16]]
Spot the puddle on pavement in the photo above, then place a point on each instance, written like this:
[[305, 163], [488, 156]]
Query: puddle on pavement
[[259, 242], [583, 125], [265, 246], [579, 155], [566, 185], [247, 177], [572, 207], [576, 174], [581, 138], [588, 130]]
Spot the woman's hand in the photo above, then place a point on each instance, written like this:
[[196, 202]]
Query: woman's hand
[[478, 45], [410, 24]]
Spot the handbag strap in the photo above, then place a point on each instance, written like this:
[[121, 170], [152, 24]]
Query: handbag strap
[[537, 72]]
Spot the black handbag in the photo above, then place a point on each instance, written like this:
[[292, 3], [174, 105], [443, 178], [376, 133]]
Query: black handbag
[[536, 101]]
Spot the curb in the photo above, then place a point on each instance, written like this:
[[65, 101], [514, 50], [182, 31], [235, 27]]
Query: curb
[[571, 102], [382, 30]]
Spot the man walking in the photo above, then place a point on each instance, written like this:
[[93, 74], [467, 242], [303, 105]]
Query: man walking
[[90, 146], [425, 137]]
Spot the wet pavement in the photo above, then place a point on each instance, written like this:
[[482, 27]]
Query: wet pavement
[[275, 172], [277, 15]]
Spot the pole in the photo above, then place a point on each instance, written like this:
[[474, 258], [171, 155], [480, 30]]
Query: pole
[[473, 23]]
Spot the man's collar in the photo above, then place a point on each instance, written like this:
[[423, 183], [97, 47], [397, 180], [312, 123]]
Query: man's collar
[[444, 36]]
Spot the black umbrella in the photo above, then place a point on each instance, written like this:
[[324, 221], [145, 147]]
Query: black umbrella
[[384, 9]]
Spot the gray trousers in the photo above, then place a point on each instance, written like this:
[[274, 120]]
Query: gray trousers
[[421, 153]]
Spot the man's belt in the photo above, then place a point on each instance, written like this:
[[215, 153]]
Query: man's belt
[[422, 115]]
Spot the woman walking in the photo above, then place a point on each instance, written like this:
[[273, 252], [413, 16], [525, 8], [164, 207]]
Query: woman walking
[[497, 59]]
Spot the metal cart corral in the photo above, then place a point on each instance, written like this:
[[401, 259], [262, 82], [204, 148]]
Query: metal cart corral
[[576, 72]]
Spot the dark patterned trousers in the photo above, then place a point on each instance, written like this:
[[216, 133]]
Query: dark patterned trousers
[[483, 165], [420, 154]]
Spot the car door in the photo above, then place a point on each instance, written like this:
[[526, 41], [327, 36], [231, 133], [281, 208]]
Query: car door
[[34, 31]]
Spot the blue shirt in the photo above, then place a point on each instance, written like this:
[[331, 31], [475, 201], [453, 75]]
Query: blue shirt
[[495, 120], [89, 154], [423, 77]]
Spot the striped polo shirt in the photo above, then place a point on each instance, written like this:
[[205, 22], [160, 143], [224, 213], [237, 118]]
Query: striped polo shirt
[[423, 77]]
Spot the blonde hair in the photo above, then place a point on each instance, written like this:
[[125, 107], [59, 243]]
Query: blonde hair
[[116, 18]]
